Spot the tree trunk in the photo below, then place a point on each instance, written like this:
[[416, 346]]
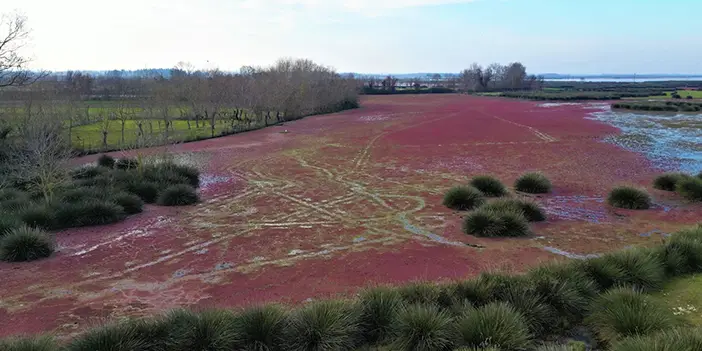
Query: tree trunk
[[123, 124], [104, 139]]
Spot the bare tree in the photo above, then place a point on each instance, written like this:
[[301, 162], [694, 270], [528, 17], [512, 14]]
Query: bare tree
[[14, 35]]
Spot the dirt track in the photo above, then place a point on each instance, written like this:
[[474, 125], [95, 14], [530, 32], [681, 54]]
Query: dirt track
[[339, 202]]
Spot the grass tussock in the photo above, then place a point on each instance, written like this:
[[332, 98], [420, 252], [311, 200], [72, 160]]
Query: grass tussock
[[325, 325], [496, 325], [8, 223], [178, 195], [690, 189], [490, 223], [679, 339], [379, 310], [260, 328], [463, 198], [533, 183], [643, 268], [629, 198], [668, 181], [489, 186], [25, 244], [43, 343], [530, 209], [130, 203], [424, 327], [106, 161], [625, 312]]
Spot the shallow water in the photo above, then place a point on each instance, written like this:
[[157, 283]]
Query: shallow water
[[671, 141]]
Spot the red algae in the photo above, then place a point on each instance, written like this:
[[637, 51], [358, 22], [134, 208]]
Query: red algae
[[340, 202]]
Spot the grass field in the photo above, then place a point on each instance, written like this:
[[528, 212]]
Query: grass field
[[87, 137], [684, 297], [340, 202], [696, 94]]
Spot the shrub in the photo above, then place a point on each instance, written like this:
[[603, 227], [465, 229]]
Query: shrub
[[8, 223], [555, 347], [476, 291], [419, 293], [463, 198], [678, 339], [15, 205], [538, 314], [643, 268], [379, 309], [629, 198], [668, 181], [209, 330], [533, 183], [29, 344], [178, 195], [496, 324], [489, 186], [131, 203], [88, 213], [82, 194], [39, 216], [13, 194], [424, 327], [325, 325], [260, 328], [488, 223], [88, 172], [682, 254], [690, 188], [164, 176], [25, 244], [604, 272], [192, 174], [106, 161], [625, 312], [126, 163], [530, 209], [137, 335], [147, 191]]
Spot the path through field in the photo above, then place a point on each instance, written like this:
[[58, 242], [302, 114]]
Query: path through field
[[339, 202]]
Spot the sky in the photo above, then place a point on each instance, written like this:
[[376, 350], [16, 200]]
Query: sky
[[367, 36]]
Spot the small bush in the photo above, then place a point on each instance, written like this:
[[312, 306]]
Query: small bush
[[131, 203], [379, 310], [14, 206], [25, 244], [88, 213], [178, 195], [679, 339], [8, 223], [629, 198], [126, 163], [192, 174], [496, 324], [533, 183], [260, 328], [530, 209], [325, 325], [488, 223], [147, 191], [164, 176], [39, 216], [668, 181], [419, 293], [210, 330], [489, 186], [625, 312], [643, 268], [82, 194], [475, 291], [137, 335], [88, 172], [106, 161], [682, 254], [424, 327], [463, 198], [690, 188], [29, 344], [604, 272]]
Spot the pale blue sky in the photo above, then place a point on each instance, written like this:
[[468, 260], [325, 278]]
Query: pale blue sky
[[370, 36]]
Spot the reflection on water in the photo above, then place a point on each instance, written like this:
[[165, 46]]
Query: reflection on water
[[672, 141]]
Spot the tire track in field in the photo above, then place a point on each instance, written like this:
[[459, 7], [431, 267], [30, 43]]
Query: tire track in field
[[539, 134]]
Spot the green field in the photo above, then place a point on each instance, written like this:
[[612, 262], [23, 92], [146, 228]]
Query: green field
[[684, 298], [89, 137], [696, 94]]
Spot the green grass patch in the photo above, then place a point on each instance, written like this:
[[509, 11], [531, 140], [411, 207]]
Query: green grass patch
[[683, 297]]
